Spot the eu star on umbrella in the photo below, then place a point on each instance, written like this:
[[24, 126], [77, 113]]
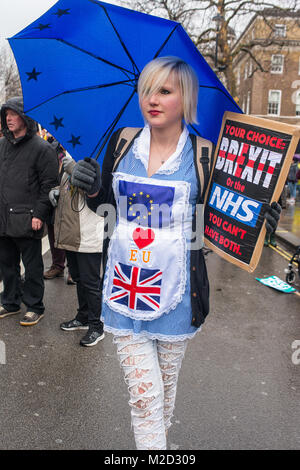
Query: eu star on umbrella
[[79, 65]]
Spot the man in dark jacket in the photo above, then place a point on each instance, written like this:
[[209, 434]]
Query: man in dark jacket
[[28, 170], [292, 181]]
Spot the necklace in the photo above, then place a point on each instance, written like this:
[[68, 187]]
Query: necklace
[[163, 153]]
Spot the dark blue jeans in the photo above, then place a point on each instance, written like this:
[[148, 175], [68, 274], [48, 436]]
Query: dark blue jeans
[[31, 292], [85, 271]]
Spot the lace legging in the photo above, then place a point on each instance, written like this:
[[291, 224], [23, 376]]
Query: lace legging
[[151, 369]]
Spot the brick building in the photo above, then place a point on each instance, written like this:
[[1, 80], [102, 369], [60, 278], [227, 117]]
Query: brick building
[[274, 45]]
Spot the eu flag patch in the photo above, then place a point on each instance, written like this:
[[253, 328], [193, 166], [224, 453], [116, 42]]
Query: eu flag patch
[[148, 205]]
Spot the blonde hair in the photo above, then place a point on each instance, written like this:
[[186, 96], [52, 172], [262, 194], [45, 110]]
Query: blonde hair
[[156, 73]]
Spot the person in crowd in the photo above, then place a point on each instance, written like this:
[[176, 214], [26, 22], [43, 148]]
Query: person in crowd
[[298, 179], [270, 237], [79, 231], [155, 289], [57, 255], [43, 133], [292, 181], [28, 170]]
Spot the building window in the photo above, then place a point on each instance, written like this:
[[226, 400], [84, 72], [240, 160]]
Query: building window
[[298, 103], [274, 102], [280, 30], [277, 61]]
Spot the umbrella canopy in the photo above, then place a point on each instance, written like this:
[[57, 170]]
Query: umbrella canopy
[[79, 64]]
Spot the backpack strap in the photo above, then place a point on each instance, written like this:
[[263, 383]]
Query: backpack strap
[[125, 139], [203, 150]]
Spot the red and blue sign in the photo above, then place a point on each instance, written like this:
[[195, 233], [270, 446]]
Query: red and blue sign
[[250, 168]]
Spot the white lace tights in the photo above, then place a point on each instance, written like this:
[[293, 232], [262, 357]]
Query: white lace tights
[[151, 369]]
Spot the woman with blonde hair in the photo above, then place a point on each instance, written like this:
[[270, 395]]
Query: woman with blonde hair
[[155, 288]]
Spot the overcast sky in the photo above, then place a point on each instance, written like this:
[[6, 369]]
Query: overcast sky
[[16, 14]]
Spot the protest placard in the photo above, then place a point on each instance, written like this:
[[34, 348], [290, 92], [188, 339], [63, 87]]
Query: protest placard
[[250, 167], [276, 283]]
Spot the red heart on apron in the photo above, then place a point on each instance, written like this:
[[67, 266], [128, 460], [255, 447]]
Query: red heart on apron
[[143, 237]]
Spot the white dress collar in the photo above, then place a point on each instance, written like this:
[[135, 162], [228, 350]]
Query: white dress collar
[[141, 150]]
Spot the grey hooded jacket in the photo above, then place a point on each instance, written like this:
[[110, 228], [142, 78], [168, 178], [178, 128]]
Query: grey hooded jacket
[[28, 170]]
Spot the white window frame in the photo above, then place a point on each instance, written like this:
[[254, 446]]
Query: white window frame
[[279, 103], [280, 30], [277, 68]]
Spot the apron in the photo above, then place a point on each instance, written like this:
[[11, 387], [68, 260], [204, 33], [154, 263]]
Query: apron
[[146, 265]]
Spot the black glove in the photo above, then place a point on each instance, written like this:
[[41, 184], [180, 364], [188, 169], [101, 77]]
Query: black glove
[[86, 175], [272, 216]]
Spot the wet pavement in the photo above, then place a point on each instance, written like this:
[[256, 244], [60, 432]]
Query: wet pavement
[[239, 387]]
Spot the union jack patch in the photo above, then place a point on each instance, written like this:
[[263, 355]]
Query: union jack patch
[[139, 289]]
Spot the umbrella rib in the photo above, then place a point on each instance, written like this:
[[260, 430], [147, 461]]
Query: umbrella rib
[[107, 134], [95, 56], [95, 87], [165, 42], [118, 35], [195, 130], [86, 52], [222, 91]]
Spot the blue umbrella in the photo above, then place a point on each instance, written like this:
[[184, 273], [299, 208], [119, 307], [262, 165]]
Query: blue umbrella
[[79, 64]]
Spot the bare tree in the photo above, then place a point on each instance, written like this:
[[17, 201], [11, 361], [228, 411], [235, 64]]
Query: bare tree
[[11, 85], [215, 40]]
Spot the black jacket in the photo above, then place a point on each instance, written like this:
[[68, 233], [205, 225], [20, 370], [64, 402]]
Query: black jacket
[[292, 176], [28, 171], [198, 273]]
